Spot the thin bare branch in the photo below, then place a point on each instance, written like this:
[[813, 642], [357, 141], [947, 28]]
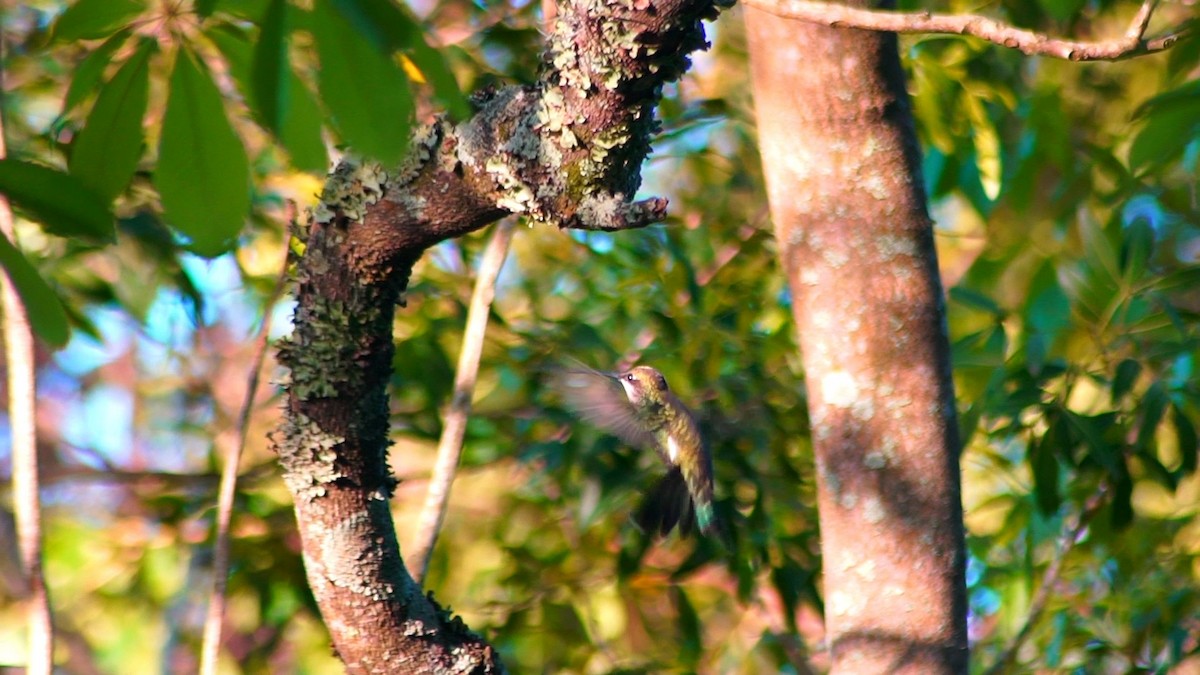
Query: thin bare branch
[[1133, 43], [1074, 531], [150, 480], [433, 513], [215, 617], [27, 506], [1141, 20]]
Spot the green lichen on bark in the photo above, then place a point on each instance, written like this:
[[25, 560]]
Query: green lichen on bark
[[321, 358], [339, 360]]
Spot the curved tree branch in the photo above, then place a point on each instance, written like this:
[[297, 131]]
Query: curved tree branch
[[1133, 43], [565, 150]]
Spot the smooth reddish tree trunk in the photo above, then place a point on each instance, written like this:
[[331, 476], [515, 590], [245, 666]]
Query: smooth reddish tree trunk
[[844, 181]]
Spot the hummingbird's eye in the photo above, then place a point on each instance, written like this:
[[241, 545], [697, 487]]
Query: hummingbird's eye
[[630, 378]]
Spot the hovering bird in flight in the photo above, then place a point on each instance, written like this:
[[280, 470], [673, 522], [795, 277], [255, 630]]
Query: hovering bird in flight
[[638, 407]]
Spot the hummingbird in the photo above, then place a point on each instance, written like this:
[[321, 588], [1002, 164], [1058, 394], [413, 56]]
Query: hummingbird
[[638, 407]]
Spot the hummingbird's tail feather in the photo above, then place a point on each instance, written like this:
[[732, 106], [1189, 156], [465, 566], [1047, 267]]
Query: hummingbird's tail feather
[[671, 503], [700, 489]]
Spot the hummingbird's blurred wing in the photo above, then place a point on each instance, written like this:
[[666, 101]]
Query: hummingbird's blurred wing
[[600, 400], [667, 504]]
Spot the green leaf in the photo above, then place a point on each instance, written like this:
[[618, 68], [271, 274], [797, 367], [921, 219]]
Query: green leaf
[[106, 153], [381, 21], [432, 65], [1185, 432], [1105, 161], [1186, 278], [363, 87], [302, 118], [252, 10], [87, 75], [789, 581], [203, 176], [268, 81], [1153, 469], [60, 202], [1047, 313], [1090, 429], [690, 636], [1136, 249], [968, 422], [1153, 405], [969, 297], [1062, 10], [1172, 120], [1184, 56], [1126, 375], [46, 315], [982, 349], [91, 19], [1099, 248], [301, 132], [204, 8], [1043, 462], [1184, 95], [234, 45]]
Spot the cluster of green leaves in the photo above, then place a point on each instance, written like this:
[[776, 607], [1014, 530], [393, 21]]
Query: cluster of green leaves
[[1075, 329], [358, 53]]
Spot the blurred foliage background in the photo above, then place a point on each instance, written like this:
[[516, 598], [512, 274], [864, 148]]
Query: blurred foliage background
[[1068, 234]]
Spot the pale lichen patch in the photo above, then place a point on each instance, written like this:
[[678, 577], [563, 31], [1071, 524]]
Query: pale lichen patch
[[351, 557], [308, 453], [873, 510], [422, 148], [350, 189], [875, 460], [839, 389], [891, 246]]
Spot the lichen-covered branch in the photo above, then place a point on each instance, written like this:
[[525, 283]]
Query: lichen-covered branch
[[834, 15], [566, 150]]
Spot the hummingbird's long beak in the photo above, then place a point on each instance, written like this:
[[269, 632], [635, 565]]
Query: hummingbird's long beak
[[580, 366]]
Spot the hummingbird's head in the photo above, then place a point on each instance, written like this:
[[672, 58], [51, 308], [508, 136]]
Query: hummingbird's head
[[643, 384]]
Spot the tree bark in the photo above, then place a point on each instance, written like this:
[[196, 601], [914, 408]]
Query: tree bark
[[844, 182], [566, 150]]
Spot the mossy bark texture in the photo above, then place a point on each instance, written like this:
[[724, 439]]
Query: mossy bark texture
[[566, 150]]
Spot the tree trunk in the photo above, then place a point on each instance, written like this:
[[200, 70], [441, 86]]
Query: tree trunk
[[565, 150], [844, 182]]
